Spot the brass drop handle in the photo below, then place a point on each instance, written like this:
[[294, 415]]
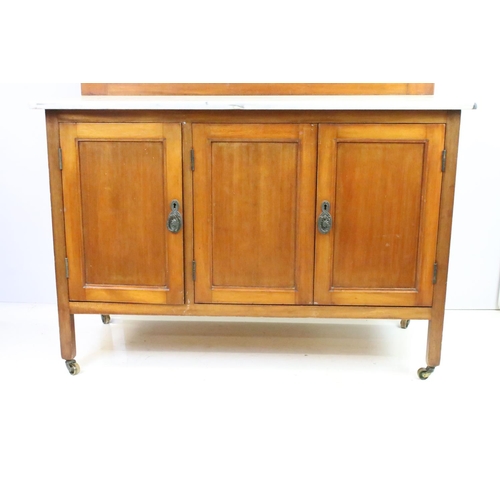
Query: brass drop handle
[[325, 219], [174, 221]]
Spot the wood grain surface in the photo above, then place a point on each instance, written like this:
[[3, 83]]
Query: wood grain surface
[[138, 89]]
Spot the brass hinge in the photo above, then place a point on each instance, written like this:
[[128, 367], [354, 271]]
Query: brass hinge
[[194, 270], [435, 273], [60, 159], [66, 265], [443, 160], [192, 159]]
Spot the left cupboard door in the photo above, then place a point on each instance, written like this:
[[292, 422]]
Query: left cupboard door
[[121, 182]]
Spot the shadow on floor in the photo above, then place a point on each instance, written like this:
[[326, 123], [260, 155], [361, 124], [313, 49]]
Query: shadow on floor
[[383, 338]]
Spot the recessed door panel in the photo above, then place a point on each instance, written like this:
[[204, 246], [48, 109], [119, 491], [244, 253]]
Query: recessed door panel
[[122, 206], [377, 217], [252, 185]]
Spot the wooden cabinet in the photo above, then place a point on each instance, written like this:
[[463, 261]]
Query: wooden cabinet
[[275, 213]]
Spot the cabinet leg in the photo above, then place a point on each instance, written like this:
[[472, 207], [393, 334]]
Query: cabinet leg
[[434, 340], [67, 335]]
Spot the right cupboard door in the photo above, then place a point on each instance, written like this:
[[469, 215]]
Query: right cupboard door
[[382, 183]]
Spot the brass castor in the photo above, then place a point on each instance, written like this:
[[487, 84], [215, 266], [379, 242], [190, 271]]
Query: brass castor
[[425, 373], [404, 323], [73, 367], [106, 319]]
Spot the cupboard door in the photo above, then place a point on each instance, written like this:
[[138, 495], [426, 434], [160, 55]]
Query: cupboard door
[[383, 184], [119, 181], [254, 192]]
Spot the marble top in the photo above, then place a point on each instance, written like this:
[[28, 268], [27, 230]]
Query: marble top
[[396, 102]]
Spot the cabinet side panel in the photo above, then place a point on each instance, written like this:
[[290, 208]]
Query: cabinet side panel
[[66, 319], [447, 196]]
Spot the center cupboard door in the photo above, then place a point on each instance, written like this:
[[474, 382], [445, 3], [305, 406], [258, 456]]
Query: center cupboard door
[[119, 181], [382, 184], [254, 197]]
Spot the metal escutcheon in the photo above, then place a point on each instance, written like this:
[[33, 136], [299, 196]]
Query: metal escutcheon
[[174, 221], [325, 219]]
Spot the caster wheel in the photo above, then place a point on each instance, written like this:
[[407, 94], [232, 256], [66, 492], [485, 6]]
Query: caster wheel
[[106, 319], [425, 373], [73, 367], [404, 323]]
